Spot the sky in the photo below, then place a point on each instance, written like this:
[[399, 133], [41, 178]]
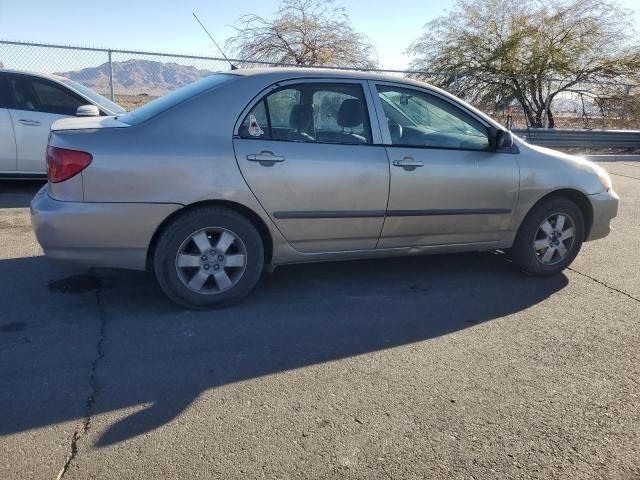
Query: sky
[[169, 26]]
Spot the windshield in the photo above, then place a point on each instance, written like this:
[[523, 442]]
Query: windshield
[[94, 97], [164, 103]]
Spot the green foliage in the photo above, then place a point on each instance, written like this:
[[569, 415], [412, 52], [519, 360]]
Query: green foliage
[[509, 49]]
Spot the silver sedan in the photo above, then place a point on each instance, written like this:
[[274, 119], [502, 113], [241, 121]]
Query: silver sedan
[[240, 171]]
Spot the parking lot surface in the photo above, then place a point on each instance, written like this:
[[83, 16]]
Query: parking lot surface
[[453, 366]]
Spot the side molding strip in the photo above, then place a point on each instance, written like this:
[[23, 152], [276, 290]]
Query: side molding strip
[[330, 214], [453, 211], [301, 214]]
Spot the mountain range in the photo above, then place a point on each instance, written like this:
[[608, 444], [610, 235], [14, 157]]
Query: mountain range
[[135, 77]]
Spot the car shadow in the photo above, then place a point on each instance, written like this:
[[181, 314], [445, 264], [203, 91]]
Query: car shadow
[[18, 193], [120, 343]]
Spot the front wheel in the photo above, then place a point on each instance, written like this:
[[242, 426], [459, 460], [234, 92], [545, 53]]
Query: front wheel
[[208, 257], [549, 238]]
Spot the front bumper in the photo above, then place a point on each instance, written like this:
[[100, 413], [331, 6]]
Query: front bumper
[[97, 234], [605, 208]]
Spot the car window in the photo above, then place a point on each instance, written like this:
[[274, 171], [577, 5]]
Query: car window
[[311, 112], [5, 97], [43, 96], [95, 97], [422, 120]]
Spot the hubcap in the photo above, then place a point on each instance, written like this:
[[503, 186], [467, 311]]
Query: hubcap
[[554, 238], [211, 260]]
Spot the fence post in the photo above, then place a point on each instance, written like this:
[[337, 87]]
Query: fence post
[[455, 84], [547, 105], [113, 97], [624, 106]]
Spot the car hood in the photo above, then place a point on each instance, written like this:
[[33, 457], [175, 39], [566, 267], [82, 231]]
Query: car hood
[[87, 123], [573, 160]]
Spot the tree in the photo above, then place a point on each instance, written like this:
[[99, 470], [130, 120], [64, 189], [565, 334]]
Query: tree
[[302, 32], [511, 48]]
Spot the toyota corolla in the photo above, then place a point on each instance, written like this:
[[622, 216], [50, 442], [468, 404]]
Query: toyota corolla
[[240, 171]]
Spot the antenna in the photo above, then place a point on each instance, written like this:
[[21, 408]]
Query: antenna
[[233, 67]]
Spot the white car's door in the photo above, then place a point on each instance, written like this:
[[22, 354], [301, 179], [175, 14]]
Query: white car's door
[[7, 138], [37, 103]]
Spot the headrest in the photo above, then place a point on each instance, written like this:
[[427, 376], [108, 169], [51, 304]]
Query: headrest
[[301, 117], [351, 113]]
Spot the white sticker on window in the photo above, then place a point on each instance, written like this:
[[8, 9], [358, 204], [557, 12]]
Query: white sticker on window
[[254, 128]]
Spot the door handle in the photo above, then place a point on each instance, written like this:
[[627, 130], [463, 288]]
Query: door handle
[[31, 123], [408, 163], [265, 158]]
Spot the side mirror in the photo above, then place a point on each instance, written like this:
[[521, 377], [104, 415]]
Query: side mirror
[[504, 140], [87, 111]]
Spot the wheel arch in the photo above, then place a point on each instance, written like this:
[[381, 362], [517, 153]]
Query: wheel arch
[[577, 197], [252, 216]]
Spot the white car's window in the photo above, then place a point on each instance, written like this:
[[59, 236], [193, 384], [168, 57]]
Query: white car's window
[[311, 112], [43, 96], [95, 97], [5, 96], [421, 120]]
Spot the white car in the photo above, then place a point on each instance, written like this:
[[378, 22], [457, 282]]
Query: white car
[[29, 104]]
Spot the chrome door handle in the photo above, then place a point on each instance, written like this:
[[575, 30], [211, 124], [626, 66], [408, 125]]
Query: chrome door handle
[[265, 158], [31, 123], [408, 162]]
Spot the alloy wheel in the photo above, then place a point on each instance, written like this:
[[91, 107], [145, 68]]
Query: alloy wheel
[[211, 260], [554, 238]]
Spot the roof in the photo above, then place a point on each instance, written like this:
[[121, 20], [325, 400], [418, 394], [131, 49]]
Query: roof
[[50, 76], [321, 72]]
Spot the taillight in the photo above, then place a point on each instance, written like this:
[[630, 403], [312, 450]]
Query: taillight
[[62, 164]]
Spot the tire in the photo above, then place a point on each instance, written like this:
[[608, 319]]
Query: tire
[[540, 229], [198, 249]]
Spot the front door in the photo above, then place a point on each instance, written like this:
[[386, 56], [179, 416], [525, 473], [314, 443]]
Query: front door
[[37, 103], [447, 186], [306, 150]]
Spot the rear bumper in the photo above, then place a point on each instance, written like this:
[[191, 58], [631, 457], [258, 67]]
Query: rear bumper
[[605, 208], [97, 234]]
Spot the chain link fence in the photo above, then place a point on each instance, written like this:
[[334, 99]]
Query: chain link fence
[[133, 78]]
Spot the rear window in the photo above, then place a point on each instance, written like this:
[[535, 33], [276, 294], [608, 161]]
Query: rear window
[[162, 104]]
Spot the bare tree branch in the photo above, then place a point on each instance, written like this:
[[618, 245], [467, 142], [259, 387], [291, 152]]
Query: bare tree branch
[[303, 32]]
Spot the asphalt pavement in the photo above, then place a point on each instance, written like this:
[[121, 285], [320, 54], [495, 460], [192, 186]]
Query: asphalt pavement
[[454, 366]]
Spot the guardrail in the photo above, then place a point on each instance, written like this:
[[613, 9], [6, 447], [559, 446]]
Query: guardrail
[[565, 137]]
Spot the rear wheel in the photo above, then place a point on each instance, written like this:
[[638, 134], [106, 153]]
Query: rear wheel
[[208, 257], [550, 237]]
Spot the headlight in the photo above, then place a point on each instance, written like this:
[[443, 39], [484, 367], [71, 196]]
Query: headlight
[[605, 179]]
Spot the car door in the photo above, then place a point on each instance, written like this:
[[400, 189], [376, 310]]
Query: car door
[[306, 150], [7, 138], [446, 186], [37, 103]]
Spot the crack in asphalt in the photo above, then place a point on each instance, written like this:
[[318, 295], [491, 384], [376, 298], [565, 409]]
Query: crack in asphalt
[[604, 284], [93, 384], [625, 176]]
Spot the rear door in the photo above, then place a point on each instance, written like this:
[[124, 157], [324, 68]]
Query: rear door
[[447, 186], [7, 138], [37, 103], [306, 150]]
